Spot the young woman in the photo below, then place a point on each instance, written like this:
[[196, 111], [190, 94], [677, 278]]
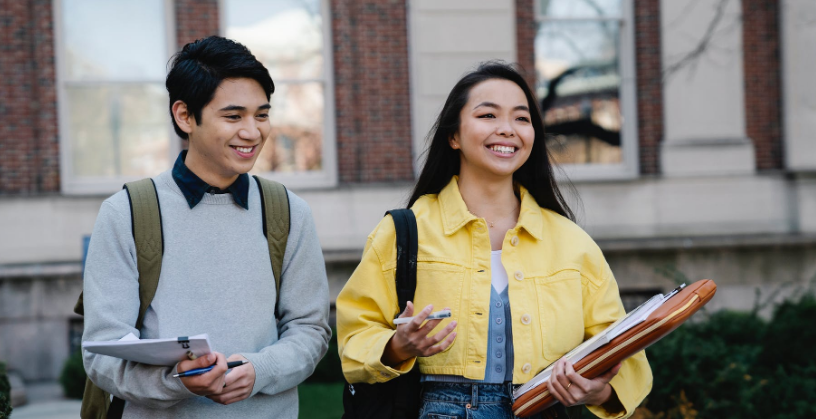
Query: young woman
[[499, 248]]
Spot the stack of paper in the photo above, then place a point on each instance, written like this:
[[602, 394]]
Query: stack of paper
[[152, 351], [614, 330]]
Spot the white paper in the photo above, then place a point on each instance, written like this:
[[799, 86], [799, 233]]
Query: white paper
[[166, 352], [635, 317]]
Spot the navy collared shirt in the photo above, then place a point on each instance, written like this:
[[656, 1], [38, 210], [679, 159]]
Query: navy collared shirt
[[194, 188]]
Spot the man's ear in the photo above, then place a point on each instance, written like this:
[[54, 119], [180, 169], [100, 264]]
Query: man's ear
[[183, 117]]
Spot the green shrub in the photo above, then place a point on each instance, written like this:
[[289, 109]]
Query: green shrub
[[328, 370], [5, 393], [73, 376], [735, 365]]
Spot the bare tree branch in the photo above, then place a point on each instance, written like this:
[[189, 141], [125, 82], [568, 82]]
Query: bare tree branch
[[692, 57]]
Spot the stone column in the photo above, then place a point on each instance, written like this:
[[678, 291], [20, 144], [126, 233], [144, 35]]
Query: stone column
[[704, 90]]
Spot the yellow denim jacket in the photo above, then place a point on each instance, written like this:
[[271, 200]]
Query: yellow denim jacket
[[560, 287]]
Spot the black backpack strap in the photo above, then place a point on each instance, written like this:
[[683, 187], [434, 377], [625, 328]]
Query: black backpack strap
[[407, 244]]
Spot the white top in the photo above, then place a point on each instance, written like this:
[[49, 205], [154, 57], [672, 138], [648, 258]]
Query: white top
[[498, 275]]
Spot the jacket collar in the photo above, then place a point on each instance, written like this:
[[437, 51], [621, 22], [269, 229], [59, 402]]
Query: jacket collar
[[455, 214]]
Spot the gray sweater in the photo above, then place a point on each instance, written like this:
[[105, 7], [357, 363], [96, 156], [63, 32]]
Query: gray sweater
[[216, 278]]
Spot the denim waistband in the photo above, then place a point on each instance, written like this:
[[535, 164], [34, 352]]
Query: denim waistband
[[472, 393]]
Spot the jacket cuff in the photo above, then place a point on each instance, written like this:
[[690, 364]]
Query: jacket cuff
[[380, 371]]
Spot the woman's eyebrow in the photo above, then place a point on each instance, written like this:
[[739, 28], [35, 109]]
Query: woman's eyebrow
[[496, 106]]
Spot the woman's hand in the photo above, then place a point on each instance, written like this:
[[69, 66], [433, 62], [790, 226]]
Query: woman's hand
[[570, 388], [412, 338]]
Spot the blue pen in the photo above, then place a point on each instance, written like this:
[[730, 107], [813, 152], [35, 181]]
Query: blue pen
[[199, 371]]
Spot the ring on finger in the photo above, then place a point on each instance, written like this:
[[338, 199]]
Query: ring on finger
[[568, 385]]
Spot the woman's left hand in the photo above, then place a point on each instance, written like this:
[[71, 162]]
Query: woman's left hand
[[570, 388]]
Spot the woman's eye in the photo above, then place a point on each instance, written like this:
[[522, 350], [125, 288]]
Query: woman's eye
[[524, 118], [487, 115]]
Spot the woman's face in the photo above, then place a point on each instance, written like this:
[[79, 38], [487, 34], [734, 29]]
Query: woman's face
[[495, 135]]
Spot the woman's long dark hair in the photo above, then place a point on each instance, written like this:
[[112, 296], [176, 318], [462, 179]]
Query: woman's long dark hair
[[442, 161]]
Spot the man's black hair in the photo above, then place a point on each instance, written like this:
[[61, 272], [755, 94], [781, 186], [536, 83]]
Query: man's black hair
[[198, 69]]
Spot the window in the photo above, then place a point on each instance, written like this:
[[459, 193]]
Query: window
[[114, 122], [291, 38], [585, 82]]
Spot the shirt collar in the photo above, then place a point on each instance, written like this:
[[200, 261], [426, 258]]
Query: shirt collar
[[455, 214], [194, 188]]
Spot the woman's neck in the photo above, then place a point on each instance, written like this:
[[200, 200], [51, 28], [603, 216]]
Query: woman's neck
[[492, 199]]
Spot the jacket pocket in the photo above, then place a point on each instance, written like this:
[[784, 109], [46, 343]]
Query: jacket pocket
[[440, 284], [561, 313]]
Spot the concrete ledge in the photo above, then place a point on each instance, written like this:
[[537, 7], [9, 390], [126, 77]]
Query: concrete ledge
[[708, 157]]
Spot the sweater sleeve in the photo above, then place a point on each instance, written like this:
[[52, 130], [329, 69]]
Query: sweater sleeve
[[111, 299], [304, 310]]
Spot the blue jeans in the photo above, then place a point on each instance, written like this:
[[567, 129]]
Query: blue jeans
[[466, 401]]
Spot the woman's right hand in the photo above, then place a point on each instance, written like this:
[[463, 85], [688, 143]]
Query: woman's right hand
[[412, 338]]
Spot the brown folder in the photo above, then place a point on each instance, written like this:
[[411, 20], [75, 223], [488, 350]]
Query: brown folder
[[661, 322]]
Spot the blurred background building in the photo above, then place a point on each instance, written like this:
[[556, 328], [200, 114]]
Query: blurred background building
[[687, 127]]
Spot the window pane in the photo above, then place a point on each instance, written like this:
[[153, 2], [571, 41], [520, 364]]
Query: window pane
[[114, 40], [296, 142], [285, 35], [119, 129], [580, 8], [579, 85]]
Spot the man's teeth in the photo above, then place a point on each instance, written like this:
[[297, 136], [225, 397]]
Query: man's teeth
[[244, 149], [503, 149]]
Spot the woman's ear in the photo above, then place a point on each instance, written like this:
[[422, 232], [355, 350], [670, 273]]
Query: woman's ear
[[184, 119], [454, 142]]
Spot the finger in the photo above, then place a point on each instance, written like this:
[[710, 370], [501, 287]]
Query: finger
[[445, 332], [409, 310], [433, 350], [607, 376], [579, 384], [420, 317], [559, 383], [555, 388], [200, 362]]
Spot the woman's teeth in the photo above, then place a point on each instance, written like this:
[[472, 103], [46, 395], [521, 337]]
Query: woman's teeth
[[244, 149], [503, 149]]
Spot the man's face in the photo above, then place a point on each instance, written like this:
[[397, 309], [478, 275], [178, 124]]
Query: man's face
[[231, 133]]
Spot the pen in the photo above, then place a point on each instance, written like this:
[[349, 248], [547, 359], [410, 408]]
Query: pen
[[443, 314], [198, 371]]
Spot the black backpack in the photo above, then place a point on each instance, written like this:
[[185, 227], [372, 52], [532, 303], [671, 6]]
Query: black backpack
[[400, 397]]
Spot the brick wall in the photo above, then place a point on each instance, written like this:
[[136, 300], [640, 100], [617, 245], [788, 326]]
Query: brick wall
[[649, 84], [372, 98], [195, 19], [760, 31], [29, 149], [525, 39]]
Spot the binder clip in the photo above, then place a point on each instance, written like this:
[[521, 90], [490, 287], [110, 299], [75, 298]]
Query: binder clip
[[184, 341]]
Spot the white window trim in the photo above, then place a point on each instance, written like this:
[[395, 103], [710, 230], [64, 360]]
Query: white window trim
[[97, 185], [327, 176], [629, 168]]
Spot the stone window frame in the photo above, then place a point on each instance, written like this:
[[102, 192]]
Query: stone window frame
[[102, 185], [629, 168], [327, 176]]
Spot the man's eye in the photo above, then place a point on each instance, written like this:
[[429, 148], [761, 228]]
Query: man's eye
[[263, 115], [232, 117]]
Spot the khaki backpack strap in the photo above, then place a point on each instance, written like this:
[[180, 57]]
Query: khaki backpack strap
[[275, 206], [147, 233]]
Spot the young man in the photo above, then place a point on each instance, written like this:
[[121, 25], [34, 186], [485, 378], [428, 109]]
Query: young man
[[216, 275]]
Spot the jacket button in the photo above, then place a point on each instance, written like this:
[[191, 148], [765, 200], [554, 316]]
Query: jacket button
[[514, 241], [526, 368], [525, 319], [518, 275]]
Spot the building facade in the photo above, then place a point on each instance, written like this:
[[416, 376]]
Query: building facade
[[686, 128]]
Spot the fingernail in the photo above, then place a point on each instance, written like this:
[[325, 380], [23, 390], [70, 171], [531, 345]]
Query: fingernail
[[211, 357], [453, 323]]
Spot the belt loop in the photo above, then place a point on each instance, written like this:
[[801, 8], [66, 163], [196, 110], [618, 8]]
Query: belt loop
[[474, 396]]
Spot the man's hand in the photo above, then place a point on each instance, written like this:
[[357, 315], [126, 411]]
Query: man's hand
[[412, 338], [239, 383], [570, 388], [211, 382]]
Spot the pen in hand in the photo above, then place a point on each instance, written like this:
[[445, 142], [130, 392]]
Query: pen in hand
[[199, 371]]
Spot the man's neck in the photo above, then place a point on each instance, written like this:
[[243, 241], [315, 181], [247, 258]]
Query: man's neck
[[206, 171]]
